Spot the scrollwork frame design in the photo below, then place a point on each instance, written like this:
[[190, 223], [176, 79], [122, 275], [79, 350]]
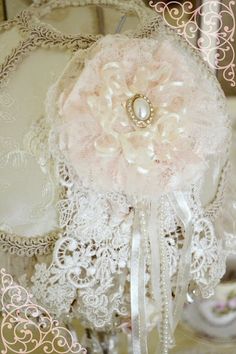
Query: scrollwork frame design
[[26, 326], [216, 42]]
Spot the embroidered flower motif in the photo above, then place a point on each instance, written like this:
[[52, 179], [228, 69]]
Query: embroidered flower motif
[[101, 140]]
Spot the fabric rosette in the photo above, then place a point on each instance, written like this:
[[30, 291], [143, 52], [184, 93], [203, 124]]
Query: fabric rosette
[[103, 143]]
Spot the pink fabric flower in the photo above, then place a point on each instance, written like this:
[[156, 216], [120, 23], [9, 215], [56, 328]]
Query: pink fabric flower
[[108, 150]]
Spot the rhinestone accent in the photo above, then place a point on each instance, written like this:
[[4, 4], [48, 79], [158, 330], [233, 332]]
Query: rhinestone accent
[[140, 110]]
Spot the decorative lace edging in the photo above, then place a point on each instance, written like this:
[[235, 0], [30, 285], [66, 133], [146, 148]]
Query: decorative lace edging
[[213, 209], [38, 34], [28, 247]]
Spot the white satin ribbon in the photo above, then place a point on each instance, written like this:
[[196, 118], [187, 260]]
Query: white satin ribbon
[[155, 253], [153, 229], [138, 313]]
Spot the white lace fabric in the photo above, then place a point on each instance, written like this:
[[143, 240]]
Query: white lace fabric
[[90, 276]]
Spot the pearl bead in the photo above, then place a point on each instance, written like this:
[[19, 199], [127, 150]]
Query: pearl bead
[[141, 108]]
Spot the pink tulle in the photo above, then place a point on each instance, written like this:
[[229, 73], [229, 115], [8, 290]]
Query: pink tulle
[[104, 146]]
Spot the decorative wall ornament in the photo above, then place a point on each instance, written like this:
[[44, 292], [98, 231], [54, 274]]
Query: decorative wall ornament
[[214, 39], [27, 327]]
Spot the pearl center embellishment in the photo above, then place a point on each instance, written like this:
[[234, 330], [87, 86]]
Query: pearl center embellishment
[[140, 110]]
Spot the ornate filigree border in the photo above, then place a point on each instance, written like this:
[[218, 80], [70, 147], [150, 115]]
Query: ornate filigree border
[[214, 40], [27, 327]]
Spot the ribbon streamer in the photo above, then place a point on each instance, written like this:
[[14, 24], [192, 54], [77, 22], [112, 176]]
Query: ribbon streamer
[[179, 201], [138, 313]]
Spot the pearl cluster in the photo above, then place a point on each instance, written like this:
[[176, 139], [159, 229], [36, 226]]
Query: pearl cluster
[[143, 224], [140, 110]]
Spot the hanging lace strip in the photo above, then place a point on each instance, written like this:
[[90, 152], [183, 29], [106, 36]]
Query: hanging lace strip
[[179, 201]]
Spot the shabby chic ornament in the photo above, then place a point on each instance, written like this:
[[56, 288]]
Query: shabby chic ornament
[[132, 166], [137, 148]]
